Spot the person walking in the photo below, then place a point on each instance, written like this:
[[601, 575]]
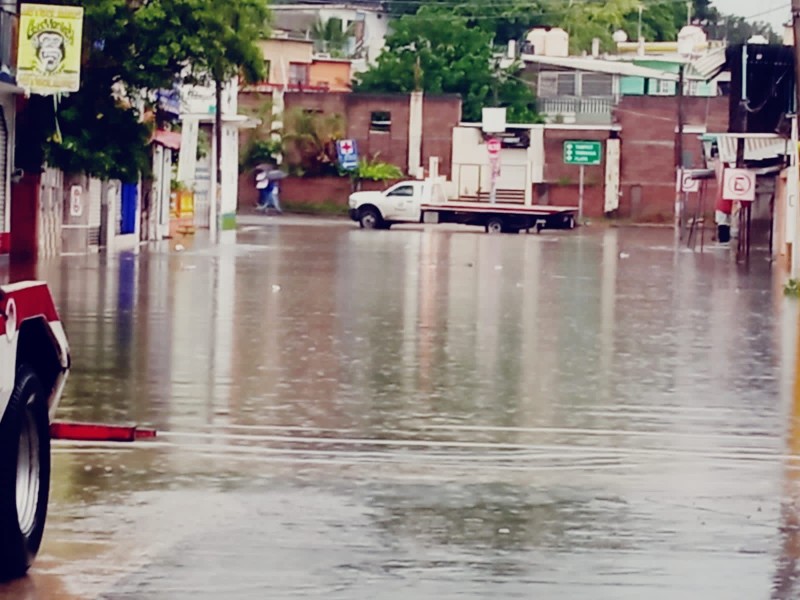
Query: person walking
[[262, 186], [267, 191]]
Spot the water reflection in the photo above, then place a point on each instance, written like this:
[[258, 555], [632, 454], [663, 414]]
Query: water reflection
[[517, 413]]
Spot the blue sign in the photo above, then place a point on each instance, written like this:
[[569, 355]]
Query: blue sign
[[169, 101], [347, 153]]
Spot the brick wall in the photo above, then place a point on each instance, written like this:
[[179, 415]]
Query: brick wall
[[388, 146], [439, 114], [647, 178], [307, 190], [561, 187]]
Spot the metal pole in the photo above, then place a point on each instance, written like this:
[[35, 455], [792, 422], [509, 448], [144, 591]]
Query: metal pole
[[580, 195], [679, 155], [493, 191], [217, 191], [742, 242]]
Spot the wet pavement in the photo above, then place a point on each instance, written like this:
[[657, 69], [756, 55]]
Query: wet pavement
[[425, 413]]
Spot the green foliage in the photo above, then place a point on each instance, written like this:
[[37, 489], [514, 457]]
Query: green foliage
[[585, 21], [131, 49], [661, 21], [792, 288], [309, 142], [262, 144], [332, 37], [376, 170], [438, 53], [503, 19]]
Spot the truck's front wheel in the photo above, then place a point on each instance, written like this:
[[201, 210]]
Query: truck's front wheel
[[370, 218], [24, 474]]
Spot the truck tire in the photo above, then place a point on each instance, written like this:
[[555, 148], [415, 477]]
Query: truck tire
[[24, 474], [495, 225], [370, 218]]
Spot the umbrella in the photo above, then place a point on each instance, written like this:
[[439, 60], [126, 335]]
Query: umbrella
[[275, 174]]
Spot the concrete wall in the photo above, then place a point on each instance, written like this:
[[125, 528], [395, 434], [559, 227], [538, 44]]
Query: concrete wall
[[280, 53], [333, 74]]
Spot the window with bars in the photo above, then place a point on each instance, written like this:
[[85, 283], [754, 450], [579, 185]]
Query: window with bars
[[597, 84], [555, 83]]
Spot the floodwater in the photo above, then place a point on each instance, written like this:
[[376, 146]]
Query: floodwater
[[425, 413]]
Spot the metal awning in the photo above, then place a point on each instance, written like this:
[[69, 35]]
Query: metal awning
[[596, 65], [757, 146], [708, 66]]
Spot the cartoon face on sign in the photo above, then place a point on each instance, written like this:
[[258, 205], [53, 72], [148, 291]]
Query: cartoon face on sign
[[50, 49]]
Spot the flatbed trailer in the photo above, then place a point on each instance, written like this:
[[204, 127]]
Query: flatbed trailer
[[426, 202], [501, 218]]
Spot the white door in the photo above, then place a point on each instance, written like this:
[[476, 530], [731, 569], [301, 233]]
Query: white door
[[401, 200]]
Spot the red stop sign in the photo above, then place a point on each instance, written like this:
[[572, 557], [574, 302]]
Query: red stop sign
[[493, 145]]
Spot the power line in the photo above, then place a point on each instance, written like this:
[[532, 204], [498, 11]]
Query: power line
[[768, 11]]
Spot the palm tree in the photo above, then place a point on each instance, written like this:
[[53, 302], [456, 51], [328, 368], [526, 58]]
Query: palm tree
[[309, 141], [331, 37]]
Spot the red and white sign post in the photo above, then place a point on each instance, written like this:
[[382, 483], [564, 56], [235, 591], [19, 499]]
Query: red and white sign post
[[493, 146]]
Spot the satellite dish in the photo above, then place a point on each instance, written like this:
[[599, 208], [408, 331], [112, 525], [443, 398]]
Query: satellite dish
[[619, 36]]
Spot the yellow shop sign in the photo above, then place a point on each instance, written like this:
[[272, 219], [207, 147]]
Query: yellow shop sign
[[49, 53]]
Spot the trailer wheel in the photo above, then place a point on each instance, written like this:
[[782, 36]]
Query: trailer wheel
[[24, 474], [495, 225], [370, 218]]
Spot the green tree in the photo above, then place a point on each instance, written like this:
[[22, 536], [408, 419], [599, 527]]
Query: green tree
[[585, 21], [440, 53], [309, 141], [503, 19], [131, 49], [331, 36], [661, 21]]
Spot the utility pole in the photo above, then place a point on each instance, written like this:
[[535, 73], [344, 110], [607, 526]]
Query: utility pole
[[688, 13], [640, 39]]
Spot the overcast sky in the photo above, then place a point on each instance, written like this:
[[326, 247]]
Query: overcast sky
[[778, 10]]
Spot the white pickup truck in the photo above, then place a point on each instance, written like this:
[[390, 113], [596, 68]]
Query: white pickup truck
[[425, 201]]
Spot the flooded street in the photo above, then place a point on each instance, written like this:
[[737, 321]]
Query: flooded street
[[425, 413]]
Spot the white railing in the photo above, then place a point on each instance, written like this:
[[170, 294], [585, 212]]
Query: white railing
[[577, 105]]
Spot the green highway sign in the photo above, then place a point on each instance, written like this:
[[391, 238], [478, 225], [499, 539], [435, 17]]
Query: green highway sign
[[582, 152]]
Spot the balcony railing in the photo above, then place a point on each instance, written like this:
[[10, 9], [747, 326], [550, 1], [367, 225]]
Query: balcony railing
[[9, 24], [582, 109]]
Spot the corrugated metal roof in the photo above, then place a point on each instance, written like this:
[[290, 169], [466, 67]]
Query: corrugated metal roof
[[756, 146], [708, 66], [596, 65]]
